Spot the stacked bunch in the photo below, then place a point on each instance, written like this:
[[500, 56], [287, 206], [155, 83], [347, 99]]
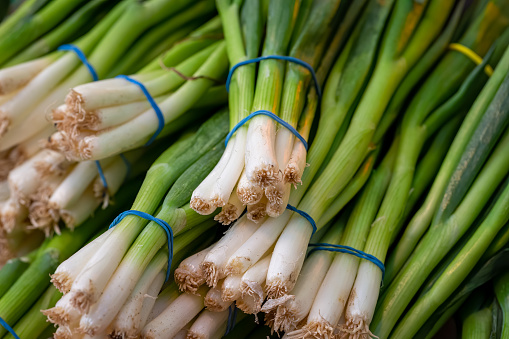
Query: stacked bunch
[[41, 187]]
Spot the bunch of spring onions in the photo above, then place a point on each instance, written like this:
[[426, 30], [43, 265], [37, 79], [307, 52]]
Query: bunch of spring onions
[[133, 253], [261, 161], [71, 191]]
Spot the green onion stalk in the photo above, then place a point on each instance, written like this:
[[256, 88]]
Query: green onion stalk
[[403, 43], [502, 294], [22, 11], [76, 24], [33, 281], [33, 26], [481, 277], [186, 161], [478, 317], [465, 194], [104, 46], [425, 114], [457, 270], [33, 323]]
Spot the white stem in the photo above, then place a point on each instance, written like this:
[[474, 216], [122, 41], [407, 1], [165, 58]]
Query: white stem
[[127, 323], [363, 298], [103, 312], [288, 257], [228, 178], [257, 212], [67, 271], [230, 291], [80, 211], [26, 178], [182, 334], [150, 298], [214, 300], [164, 299], [252, 282], [176, 316], [295, 168], [15, 77], [189, 275], [34, 144], [5, 191], [332, 296], [63, 313], [283, 147], [278, 197], [201, 200], [208, 324], [214, 263], [17, 109], [69, 192], [290, 313], [261, 163], [247, 191], [257, 245], [231, 211]]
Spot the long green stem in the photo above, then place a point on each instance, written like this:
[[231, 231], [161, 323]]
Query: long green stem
[[502, 293]]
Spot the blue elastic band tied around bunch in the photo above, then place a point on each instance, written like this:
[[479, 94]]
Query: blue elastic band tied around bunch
[[232, 318], [8, 328], [270, 115], [79, 53], [350, 250], [276, 57], [304, 215], [152, 103], [160, 222]]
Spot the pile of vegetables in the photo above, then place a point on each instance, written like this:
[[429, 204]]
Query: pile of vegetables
[[254, 168]]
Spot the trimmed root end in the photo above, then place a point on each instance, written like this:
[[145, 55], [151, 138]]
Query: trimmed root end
[[255, 292], [202, 206], [214, 305], [42, 214], [10, 159], [266, 177], [275, 207], [355, 329], [292, 175], [249, 196], [57, 315], [228, 214], [313, 330], [76, 148], [235, 266], [188, 281], [276, 290], [257, 212], [82, 301], [62, 281], [211, 273]]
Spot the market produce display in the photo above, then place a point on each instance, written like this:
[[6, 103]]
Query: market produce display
[[254, 169]]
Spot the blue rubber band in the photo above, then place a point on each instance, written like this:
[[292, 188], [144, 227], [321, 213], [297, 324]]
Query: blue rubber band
[[277, 57], [272, 116], [8, 328], [82, 57], [101, 174], [350, 250], [232, 318], [160, 222], [305, 215], [152, 103]]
